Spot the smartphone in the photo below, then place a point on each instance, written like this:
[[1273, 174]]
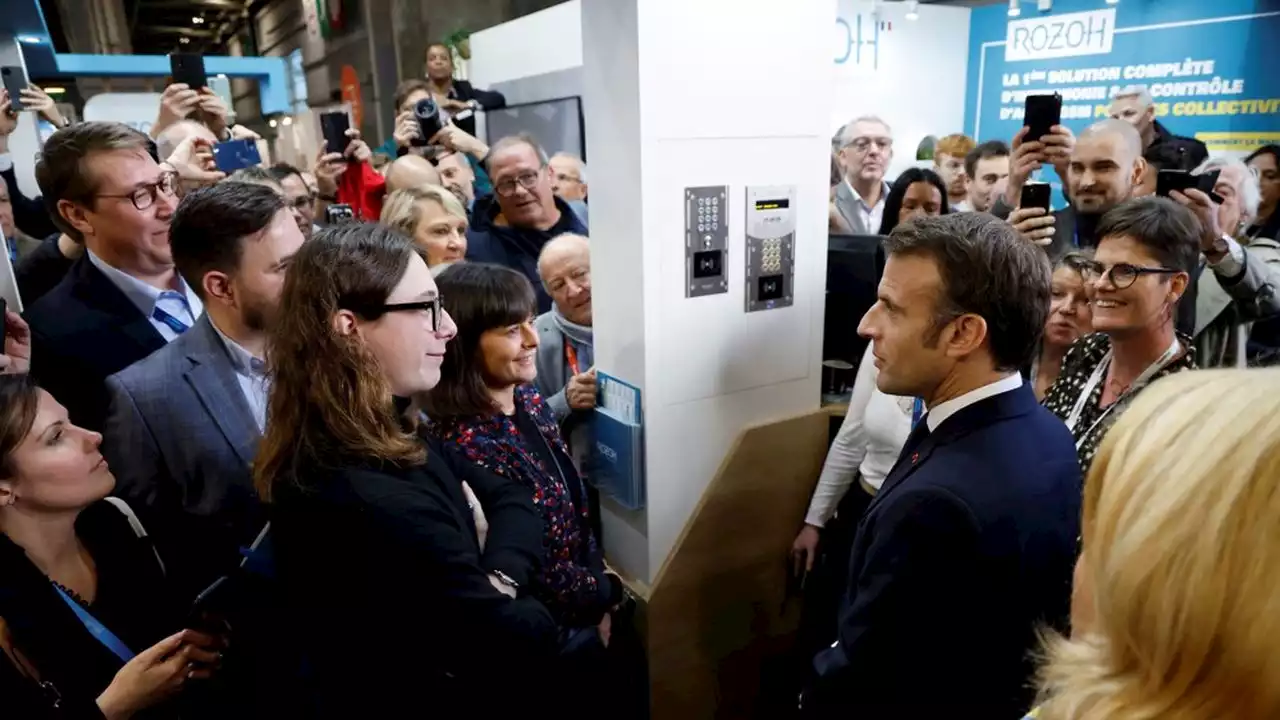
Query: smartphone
[[234, 155], [1035, 195], [3, 308], [333, 128], [15, 81], [1180, 180], [1040, 114], [188, 68], [339, 213], [9, 294], [208, 607]]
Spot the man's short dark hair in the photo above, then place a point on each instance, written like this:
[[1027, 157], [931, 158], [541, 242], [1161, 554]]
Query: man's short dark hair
[[62, 170], [987, 270], [988, 149], [282, 170], [256, 175], [1170, 231], [210, 225]]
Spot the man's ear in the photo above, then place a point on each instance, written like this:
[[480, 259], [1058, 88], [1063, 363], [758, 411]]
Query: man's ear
[[76, 216], [1139, 169], [969, 332], [217, 285]]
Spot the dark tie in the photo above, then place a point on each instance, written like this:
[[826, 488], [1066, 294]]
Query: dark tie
[[174, 323]]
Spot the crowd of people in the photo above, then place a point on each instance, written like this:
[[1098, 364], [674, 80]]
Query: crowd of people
[[1016, 352], [317, 442]]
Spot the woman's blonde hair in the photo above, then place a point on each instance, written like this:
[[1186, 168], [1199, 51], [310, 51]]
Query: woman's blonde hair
[[1181, 558], [400, 211]]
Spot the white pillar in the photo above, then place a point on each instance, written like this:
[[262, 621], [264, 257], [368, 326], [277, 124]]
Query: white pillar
[[685, 93]]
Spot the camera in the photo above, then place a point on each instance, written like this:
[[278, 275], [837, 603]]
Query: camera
[[428, 115], [338, 214]]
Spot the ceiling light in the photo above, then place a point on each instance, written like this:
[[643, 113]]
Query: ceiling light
[[1014, 10], [54, 90], [1113, 2], [286, 121], [184, 40], [30, 39], [197, 20], [272, 122], [913, 9]]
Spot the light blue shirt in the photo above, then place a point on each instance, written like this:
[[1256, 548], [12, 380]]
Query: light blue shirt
[[251, 374], [183, 305]]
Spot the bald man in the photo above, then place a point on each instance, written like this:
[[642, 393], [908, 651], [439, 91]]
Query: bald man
[[1105, 166], [171, 137], [411, 171], [566, 359]]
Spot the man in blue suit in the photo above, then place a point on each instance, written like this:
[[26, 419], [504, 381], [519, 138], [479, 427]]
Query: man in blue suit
[[184, 423], [967, 549]]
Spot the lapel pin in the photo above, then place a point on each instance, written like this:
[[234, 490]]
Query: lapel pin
[[915, 458]]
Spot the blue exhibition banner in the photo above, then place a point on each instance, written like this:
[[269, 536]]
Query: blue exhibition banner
[[1209, 66]]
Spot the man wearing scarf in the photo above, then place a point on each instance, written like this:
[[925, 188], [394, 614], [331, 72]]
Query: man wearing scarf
[[566, 361]]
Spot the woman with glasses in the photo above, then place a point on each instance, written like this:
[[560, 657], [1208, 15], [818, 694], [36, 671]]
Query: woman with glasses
[[1146, 253], [1070, 318], [433, 217], [405, 568]]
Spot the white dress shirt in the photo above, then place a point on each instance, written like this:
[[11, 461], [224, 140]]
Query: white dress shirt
[[944, 410], [869, 441], [181, 304], [871, 216]]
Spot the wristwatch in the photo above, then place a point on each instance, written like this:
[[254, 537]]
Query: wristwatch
[[505, 579], [1221, 246]]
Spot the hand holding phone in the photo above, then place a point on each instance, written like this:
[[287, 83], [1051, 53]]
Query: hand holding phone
[[188, 69], [1040, 114], [1035, 195], [15, 81], [333, 128], [234, 155]]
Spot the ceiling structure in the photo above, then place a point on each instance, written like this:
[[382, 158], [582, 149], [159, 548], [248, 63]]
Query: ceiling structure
[[157, 27]]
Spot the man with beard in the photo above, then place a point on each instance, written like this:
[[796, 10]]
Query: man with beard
[[185, 422], [1104, 167]]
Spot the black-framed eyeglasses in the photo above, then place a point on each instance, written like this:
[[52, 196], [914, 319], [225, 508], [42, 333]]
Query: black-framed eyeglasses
[[526, 180], [1121, 275], [144, 196], [435, 306]]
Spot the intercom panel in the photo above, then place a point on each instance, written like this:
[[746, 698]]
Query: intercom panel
[[771, 244], [706, 240]]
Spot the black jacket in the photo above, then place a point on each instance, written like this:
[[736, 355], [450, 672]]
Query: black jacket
[[488, 99], [82, 332], [516, 248], [29, 214], [1187, 153], [133, 602], [393, 607], [963, 556]]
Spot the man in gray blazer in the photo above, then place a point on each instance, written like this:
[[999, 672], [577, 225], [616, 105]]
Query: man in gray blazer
[[866, 147], [185, 422]]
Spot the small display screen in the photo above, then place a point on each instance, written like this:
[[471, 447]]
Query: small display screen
[[708, 263], [773, 204], [769, 287]]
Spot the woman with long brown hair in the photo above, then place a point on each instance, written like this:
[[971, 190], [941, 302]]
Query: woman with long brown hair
[[405, 596]]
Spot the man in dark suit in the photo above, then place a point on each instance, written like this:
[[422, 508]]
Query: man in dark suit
[[184, 423], [123, 299], [968, 547]]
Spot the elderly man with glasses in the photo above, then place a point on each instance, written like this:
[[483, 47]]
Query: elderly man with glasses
[[523, 214], [865, 150], [123, 299]]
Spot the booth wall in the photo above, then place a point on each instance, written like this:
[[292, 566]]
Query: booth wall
[[911, 73], [1210, 65]]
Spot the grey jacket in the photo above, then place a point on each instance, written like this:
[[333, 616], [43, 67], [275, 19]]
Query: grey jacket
[[1227, 308], [553, 376], [847, 205], [180, 439]]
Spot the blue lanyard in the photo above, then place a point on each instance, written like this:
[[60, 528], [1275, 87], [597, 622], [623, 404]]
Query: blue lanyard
[[917, 412], [174, 323], [97, 629]]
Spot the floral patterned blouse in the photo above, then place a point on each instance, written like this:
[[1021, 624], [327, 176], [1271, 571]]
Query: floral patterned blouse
[[1078, 366], [572, 582]]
